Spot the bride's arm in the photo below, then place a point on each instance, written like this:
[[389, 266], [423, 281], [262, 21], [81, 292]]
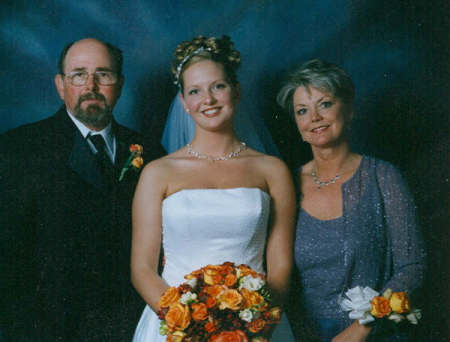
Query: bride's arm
[[146, 237], [280, 243]]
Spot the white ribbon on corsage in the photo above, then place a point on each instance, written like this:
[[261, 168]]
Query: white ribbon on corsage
[[358, 303]]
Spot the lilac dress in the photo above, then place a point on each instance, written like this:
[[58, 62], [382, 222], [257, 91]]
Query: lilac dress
[[376, 242]]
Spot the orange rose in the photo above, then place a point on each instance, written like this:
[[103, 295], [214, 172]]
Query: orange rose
[[194, 274], [210, 327], [228, 263], [178, 317], [136, 148], [176, 336], [212, 275], [137, 162], [380, 307], [214, 290], [199, 312], [230, 299], [210, 302], [230, 280], [230, 336], [169, 297], [253, 299], [400, 302], [256, 325], [273, 315], [245, 270], [226, 268]]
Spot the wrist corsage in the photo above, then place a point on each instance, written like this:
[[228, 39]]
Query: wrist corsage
[[134, 161], [366, 305]]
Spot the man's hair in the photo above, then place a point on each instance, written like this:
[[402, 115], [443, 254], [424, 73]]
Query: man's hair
[[114, 52]]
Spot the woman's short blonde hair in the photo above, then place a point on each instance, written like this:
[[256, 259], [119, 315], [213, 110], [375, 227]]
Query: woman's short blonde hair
[[326, 77]]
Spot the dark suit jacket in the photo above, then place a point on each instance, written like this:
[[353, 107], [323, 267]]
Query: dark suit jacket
[[65, 236]]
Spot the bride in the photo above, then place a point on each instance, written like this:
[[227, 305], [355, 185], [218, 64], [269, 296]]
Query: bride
[[214, 200]]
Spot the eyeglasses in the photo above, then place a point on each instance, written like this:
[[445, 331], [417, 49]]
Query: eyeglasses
[[79, 78]]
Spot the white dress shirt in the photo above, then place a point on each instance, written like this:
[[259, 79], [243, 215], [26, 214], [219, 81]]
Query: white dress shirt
[[106, 133]]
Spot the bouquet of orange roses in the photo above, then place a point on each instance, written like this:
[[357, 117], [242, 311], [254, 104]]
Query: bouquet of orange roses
[[219, 303], [366, 305]]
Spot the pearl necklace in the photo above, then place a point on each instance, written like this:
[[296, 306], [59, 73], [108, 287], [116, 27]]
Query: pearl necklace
[[320, 184], [230, 155]]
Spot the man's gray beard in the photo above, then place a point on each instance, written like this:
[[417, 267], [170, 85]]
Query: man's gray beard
[[93, 116]]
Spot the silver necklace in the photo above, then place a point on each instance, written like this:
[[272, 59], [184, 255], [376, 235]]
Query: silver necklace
[[230, 155], [320, 184]]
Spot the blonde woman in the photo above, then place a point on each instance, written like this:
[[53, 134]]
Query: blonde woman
[[214, 200]]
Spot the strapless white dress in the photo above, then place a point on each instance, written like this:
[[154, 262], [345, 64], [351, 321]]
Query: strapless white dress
[[211, 226]]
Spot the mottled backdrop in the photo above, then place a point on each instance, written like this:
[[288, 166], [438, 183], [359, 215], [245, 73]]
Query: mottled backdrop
[[396, 52]]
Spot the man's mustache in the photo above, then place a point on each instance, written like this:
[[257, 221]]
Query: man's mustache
[[92, 96]]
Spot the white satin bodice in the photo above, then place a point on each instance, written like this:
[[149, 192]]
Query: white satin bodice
[[211, 226]]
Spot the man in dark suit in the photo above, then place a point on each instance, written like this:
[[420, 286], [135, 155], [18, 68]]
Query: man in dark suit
[[65, 222]]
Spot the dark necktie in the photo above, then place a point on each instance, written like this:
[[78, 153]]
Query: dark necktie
[[106, 165]]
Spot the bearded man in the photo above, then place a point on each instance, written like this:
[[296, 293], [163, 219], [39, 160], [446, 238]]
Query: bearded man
[[65, 216]]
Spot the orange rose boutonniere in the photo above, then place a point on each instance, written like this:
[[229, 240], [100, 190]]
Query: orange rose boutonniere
[[134, 161]]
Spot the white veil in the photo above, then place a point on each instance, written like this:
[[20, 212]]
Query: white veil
[[180, 129]]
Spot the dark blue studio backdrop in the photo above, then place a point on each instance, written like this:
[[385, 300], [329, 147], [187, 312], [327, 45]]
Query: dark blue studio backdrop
[[396, 52]]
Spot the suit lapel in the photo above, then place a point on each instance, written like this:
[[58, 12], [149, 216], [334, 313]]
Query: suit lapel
[[122, 154], [78, 154]]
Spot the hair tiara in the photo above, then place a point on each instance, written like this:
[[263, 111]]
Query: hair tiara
[[184, 61]]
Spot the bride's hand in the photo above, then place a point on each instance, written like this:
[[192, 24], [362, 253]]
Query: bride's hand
[[353, 333]]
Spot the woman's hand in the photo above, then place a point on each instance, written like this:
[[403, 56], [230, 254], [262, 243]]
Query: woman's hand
[[353, 333]]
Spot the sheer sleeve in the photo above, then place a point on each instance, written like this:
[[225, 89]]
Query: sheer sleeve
[[405, 239]]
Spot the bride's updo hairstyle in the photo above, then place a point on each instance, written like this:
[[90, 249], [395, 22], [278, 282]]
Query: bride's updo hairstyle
[[219, 50]]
